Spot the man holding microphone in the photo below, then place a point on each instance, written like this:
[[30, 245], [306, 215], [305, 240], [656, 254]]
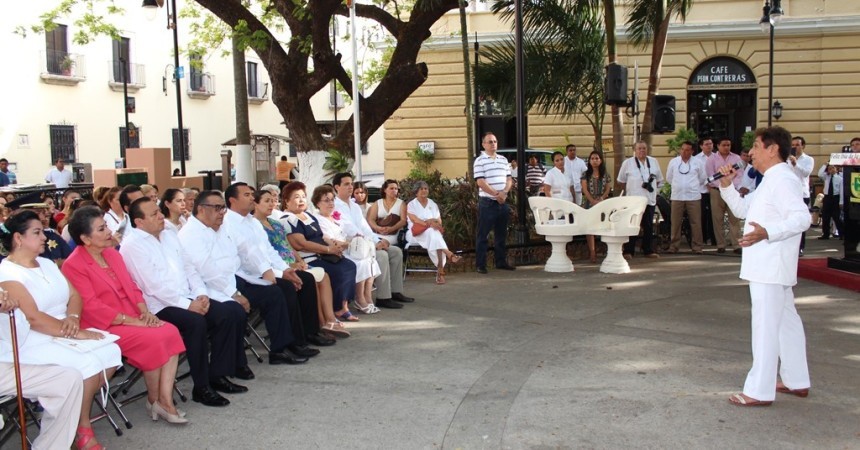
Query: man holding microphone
[[775, 217]]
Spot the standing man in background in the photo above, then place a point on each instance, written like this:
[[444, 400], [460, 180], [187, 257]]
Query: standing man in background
[[723, 157], [687, 176], [574, 167], [59, 176], [706, 145], [493, 176], [283, 172], [4, 169], [802, 164], [642, 176]]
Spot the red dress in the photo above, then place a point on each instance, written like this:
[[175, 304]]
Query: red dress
[[107, 292]]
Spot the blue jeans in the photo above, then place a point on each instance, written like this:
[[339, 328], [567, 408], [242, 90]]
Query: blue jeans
[[491, 216]]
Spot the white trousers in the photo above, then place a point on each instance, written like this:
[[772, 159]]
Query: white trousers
[[577, 198], [59, 391], [777, 337]]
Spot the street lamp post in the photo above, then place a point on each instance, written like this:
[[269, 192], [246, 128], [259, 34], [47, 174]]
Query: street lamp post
[[150, 6], [771, 15]]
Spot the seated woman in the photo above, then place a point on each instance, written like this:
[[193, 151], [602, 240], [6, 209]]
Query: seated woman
[[264, 206], [305, 235], [424, 216], [359, 196], [114, 303], [366, 268], [173, 208], [114, 215], [52, 309], [387, 216]]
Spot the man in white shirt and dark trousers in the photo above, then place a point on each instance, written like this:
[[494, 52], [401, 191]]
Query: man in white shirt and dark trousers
[[493, 177], [706, 145], [775, 217], [389, 285], [261, 264], [574, 167], [830, 204], [802, 164], [154, 260], [687, 176], [210, 248], [642, 177]]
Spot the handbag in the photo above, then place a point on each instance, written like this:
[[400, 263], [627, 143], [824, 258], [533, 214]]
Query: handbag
[[334, 259], [389, 220], [360, 248], [418, 228]]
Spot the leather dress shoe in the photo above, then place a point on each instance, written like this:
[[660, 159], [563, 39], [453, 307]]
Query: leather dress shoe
[[401, 298], [482, 270], [208, 397], [244, 373], [222, 384], [319, 340], [303, 350], [388, 303], [506, 267], [285, 357]]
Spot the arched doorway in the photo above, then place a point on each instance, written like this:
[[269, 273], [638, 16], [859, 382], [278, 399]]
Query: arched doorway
[[721, 99]]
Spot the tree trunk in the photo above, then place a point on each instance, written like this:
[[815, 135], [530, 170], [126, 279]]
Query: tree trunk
[[312, 173], [467, 81], [617, 118], [243, 157], [659, 48]]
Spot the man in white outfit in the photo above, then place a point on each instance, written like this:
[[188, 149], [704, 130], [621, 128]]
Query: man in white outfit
[[574, 167], [775, 217], [802, 164]]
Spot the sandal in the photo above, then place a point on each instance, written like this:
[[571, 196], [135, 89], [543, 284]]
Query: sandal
[[456, 259], [85, 439], [783, 389], [743, 400], [440, 277], [347, 317], [370, 308], [335, 329]]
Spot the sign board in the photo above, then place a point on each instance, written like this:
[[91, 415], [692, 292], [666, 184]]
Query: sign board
[[722, 72], [427, 146], [844, 159]]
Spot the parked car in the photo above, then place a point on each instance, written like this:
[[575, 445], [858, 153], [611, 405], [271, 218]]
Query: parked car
[[544, 157]]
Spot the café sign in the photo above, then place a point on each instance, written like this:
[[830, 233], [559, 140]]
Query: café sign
[[722, 73]]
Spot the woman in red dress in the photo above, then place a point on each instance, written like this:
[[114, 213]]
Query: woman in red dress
[[112, 302]]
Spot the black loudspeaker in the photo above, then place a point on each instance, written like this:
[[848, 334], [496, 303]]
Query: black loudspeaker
[[616, 85], [663, 113]]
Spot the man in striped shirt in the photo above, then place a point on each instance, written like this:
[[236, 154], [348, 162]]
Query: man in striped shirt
[[493, 176]]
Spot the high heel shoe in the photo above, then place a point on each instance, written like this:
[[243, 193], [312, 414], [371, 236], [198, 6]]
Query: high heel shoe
[[149, 410], [83, 437], [158, 411]]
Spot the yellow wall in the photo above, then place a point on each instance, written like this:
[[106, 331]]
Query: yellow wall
[[815, 65]]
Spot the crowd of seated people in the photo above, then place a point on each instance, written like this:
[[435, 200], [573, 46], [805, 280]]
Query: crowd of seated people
[[150, 279]]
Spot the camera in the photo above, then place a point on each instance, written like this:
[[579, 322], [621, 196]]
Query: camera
[[648, 184]]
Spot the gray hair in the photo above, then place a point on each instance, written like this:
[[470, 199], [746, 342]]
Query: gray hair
[[275, 190], [421, 184]]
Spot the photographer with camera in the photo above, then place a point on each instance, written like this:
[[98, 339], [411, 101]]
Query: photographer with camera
[[642, 177]]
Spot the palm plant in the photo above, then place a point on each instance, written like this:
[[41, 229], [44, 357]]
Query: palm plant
[[563, 58]]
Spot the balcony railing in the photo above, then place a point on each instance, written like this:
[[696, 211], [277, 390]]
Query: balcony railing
[[135, 72], [201, 85], [258, 93], [63, 67]]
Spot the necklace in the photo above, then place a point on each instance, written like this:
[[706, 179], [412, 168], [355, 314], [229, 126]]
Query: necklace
[[33, 268], [388, 205]]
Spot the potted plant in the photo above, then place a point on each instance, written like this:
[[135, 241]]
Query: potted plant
[[66, 65]]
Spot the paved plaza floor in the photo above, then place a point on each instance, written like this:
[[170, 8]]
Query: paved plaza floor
[[531, 360]]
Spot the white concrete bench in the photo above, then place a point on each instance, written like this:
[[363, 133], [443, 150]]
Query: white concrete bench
[[614, 220]]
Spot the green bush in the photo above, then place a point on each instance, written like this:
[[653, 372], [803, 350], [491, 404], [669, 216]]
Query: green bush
[[683, 134]]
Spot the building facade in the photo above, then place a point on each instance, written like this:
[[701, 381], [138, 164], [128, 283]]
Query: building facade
[[61, 99], [716, 65]]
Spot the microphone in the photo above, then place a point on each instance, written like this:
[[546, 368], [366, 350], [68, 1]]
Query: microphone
[[719, 175]]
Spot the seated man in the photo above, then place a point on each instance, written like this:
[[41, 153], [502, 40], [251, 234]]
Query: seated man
[[261, 264], [58, 389], [154, 260], [208, 248], [389, 285]]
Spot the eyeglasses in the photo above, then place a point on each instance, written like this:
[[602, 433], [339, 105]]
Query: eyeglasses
[[491, 142], [217, 208], [327, 200]]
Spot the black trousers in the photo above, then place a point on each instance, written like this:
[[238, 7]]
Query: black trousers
[[647, 225], [708, 237], [830, 210], [270, 301], [224, 326], [491, 216], [302, 306]]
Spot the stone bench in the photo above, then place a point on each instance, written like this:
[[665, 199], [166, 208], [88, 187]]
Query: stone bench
[[614, 220]]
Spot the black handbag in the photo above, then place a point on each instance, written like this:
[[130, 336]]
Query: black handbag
[[334, 259]]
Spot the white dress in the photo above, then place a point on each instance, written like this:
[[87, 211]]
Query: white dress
[[382, 213], [50, 290], [430, 239], [559, 184], [364, 268]]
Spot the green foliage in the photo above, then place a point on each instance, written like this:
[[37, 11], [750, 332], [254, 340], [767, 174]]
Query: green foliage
[[421, 162], [336, 162], [683, 134], [747, 140], [89, 24], [644, 17]]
